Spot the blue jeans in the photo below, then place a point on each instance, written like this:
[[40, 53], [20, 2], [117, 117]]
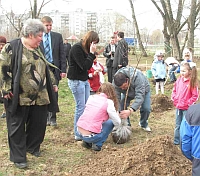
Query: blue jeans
[[99, 138], [81, 92], [145, 108], [180, 114], [172, 74]]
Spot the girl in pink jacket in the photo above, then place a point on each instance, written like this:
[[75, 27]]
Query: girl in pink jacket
[[184, 94], [99, 117]]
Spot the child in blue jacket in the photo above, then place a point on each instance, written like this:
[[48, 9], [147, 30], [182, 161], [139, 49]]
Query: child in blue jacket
[[158, 69], [190, 140]]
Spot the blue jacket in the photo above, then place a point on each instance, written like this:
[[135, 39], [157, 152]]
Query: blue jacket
[[190, 137], [158, 69]]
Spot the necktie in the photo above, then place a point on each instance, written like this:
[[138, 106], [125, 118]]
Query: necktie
[[47, 48]]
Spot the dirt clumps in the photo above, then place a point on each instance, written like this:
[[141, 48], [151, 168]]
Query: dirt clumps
[[160, 103], [156, 156]]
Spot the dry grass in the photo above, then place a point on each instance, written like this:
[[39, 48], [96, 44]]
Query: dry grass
[[61, 154]]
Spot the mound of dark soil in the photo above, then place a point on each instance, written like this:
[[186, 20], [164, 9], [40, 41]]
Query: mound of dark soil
[[160, 103], [157, 156]]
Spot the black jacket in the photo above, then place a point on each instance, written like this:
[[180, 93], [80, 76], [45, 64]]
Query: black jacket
[[79, 63], [121, 54], [109, 61]]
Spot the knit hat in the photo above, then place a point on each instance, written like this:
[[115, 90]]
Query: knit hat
[[2, 39]]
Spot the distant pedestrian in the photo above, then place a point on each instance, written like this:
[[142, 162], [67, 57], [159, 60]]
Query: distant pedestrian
[[67, 48], [121, 53], [109, 53]]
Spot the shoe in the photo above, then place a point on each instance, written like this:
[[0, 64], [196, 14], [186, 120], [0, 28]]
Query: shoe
[[86, 145], [3, 115], [36, 154], [53, 124], [148, 129], [96, 148], [77, 138], [21, 165]]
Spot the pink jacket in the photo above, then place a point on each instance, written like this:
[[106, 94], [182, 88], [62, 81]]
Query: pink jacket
[[182, 95], [95, 113]]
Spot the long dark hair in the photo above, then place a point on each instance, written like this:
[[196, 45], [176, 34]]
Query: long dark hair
[[90, 37]]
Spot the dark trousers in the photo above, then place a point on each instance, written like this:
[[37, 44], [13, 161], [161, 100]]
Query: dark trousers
[[110, 74], [51, 116], [26, 130], [114, 70]]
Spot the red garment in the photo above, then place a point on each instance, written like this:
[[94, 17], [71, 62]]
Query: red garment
[[182, 95], [94, 80]]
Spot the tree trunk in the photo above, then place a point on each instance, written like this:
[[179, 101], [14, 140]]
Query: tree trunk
[[141, 47], [191, 23], [168, 48]]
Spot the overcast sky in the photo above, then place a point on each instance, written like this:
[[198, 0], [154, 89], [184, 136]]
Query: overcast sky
[[146, 13]]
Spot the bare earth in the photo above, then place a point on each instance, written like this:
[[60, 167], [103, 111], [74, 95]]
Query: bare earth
[[154, 157]]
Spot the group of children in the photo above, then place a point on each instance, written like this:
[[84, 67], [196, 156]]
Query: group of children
[[184, 94], [159, 72]]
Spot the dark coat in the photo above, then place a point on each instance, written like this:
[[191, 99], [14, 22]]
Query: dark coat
[[109, 61], [121, 54], [67, 47], [16, 71], [58, 54]]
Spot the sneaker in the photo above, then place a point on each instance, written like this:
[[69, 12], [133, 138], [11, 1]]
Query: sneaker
[[3, 115], [96, 148], [77, 138], [148, 129], [86, 145]]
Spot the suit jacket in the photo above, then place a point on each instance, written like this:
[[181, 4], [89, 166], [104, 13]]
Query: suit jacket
[[58, 54], [121, 54], [107, 49]]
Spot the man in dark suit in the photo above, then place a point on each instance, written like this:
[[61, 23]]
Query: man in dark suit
[[55, 56], [109, 52], [121, 53]]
